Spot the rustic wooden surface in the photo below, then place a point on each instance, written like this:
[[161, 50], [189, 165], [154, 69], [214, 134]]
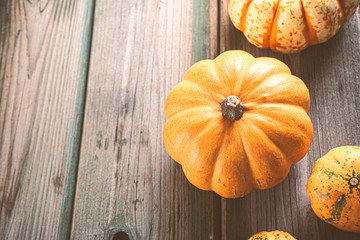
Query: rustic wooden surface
[[43, 64], [139, 52], [119, 179]]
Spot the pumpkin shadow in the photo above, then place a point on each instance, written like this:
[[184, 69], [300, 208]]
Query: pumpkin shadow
[[318, 62]]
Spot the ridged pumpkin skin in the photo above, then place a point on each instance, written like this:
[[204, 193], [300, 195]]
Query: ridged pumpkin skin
[[274, 235], [289, 26], [333, 188], [255, 152]]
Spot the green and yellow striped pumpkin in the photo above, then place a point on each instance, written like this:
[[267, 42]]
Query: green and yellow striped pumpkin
[[333, 188]]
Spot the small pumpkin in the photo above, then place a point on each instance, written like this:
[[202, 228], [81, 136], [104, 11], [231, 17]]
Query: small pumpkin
[[237, 123], [290, 26], [333, 188], [274, 235]]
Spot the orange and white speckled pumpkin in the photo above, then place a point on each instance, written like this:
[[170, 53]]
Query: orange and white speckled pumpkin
[[334, 188], [290, 26], [274, 235]]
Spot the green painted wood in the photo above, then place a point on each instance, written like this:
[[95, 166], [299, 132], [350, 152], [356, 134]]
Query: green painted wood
[[331, 72], [127, 182], [44, 47], [205, 206]]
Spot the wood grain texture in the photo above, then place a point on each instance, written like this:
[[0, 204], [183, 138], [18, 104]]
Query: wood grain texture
[[126, 181], [43, 63], [331, 72]]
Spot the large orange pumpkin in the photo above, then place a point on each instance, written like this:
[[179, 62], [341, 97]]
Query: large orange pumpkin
[[334, 190], [274, 235], [290, 26], [237, 123]]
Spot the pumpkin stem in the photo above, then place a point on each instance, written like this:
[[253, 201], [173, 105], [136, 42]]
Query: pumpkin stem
[[354, 181], [232, 108]]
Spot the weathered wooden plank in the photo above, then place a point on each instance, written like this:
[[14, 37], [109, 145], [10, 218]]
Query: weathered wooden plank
[[126, 181], [331, 71], [43, 65]]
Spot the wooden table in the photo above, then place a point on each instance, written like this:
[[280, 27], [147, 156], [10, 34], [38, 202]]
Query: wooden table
[[82, 87]]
